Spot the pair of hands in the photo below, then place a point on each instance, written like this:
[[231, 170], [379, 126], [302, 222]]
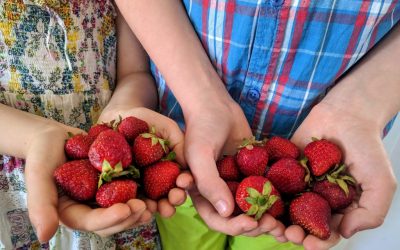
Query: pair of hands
[[216, 132], [46, 210]]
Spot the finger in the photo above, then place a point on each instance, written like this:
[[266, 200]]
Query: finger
[[137, 211], [151, 205], [312, 242], [265, 225], [165, 209], [176, 196], [373, 205], [185, 180], [231, 226], [205, 173], [295, 234], [82, 217], [42, 201]]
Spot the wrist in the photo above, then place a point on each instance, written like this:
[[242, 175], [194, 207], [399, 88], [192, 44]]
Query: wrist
[[357, 100]]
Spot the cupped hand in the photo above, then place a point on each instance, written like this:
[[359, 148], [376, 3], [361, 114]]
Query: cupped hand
[[45, 153], [367, 162], [117, 218], [211, 131], [169, 130]]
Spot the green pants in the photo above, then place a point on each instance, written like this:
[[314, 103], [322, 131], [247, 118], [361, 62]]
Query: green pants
[[187, 231]]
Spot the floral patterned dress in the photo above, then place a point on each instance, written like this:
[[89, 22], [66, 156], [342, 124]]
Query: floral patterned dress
[[57, 60]]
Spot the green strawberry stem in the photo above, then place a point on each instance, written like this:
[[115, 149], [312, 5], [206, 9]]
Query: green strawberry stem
[[250, 142], [108, 173], [337, 176], [154, 139], [260, 202], [307, 177]]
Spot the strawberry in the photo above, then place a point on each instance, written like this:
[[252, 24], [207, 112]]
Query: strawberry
[[337, 188], [312, 213], [160, 178], [117, 191], [233, 185], [322, 155], [97, 129], [279, 147], [148, 148], [77, 146], [112, 147], [334, 194], [131, 127], [78, 179], [289, 176], [256, 195], [251, 158], [227, 168]]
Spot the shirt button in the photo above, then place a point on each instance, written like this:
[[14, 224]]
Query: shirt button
[[277, 3], [253, 95]]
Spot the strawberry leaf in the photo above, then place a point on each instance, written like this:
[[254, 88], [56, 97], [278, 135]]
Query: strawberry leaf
[[253, 192], [154, 141], [343, 185], [348, 179], [272, 199], [267, 188], [106, 167], [253, 210], [251, 200]]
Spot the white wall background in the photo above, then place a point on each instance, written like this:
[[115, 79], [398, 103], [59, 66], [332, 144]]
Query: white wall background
[[386, 237]]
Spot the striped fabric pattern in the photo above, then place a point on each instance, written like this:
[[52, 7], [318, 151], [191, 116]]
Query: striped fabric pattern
[[278, 58]]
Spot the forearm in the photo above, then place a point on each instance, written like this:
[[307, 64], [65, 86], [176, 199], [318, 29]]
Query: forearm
[[372, 89], [18, 129], [134, 90], [168, 37]]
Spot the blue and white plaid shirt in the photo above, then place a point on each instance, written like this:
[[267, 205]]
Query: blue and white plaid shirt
[[279, 57]]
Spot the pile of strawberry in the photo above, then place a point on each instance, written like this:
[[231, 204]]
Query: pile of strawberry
[[107, 164], [273, 176]]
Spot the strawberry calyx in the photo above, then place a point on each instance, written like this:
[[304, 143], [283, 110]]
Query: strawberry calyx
[[249, 143], [171, 156], [155, 139], [108, 172], [339, 177], [260, 202]]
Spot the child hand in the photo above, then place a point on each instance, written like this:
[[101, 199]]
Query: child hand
[[367, 162], [117, 218], [45, 153], [169, 130]]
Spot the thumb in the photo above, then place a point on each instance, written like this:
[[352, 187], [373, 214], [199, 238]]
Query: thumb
[[202, 164], [42, 201]]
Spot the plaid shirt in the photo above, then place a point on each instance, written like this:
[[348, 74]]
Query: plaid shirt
[[278, 58]]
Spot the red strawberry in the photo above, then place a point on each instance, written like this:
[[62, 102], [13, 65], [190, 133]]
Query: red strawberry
[[77, 147], [148, 148], [112, 147], [322, 155], [252, 158], [160, 178], [97, 129], [279, 147], [337, 188], [227, 168], [336, 197], [78, 179], [256, 195], [233, 185], [131, 127], [289, 176], [312, 213], [117, 191]]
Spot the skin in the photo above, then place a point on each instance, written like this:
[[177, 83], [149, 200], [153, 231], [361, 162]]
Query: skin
[[353, 113], [36, 138]]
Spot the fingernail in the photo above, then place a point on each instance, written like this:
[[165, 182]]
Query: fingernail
[[221, 207]]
